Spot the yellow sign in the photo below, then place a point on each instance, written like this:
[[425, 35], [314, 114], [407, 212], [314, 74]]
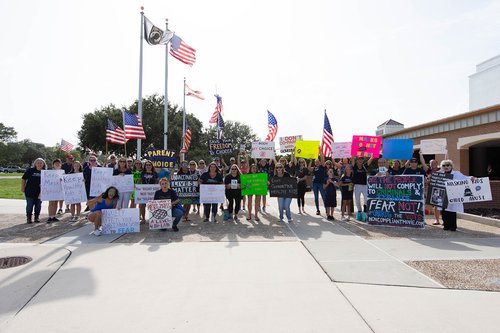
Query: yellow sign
[[307, 149]]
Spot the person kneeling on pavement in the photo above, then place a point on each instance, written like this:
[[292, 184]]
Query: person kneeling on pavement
[[166, 193]]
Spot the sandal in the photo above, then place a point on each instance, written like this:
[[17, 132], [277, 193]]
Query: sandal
[[257, 219], [436, 223]]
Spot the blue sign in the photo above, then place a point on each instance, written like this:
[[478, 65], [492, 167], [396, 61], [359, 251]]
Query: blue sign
[[397, 149]]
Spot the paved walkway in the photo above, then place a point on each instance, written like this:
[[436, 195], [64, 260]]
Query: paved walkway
[[78, 282]]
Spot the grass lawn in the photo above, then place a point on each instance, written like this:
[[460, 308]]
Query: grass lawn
[[6, 174], [10, 188]]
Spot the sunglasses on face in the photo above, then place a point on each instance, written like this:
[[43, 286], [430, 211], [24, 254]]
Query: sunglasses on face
[[446, 165], [92, 160], [234, 169]]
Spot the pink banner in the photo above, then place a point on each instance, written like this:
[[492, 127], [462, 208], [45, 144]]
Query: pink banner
[[366, 146]]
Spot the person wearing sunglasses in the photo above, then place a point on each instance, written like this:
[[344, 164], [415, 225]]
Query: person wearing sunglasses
[[123, 170], [449, 214], [233, 191]]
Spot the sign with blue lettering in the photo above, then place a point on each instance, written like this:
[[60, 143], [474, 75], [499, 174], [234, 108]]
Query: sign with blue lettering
[[396, 201], [161, 158], [120, 221]]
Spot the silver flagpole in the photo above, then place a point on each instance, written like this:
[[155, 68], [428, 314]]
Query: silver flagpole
[[139, 100], [165, 101], [184, 115]]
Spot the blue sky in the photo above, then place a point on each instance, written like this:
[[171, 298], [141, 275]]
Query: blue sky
[[362, 61]]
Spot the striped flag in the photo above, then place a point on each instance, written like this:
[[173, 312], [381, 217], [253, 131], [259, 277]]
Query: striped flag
[[220, 125], [186, 139], [326, 142], [66, 146], [133, 126], [194, 93], [218, 109], [181, 51], [272, 124], [114, 134]]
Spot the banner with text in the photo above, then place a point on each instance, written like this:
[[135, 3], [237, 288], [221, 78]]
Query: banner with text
[[120, 221], [254, 184], [263, 149], [220, 146], [433, 146], [73, 186], [123, 183], [307, 149], [100, 180], [51, 185], [396, 201], [341, 149], [287, 143], [436, 195], [160, 214], [186, 187], [284, 187], [161, 158], [467, 190], [211, 194], [145, 192], [366, 146]]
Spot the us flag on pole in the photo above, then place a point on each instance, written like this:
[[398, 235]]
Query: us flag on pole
[[272, 124], [186, 139], [220, 126], [66, 146], [133, 126], [181, 51], [114, 134], [326, 142], [218, 109]]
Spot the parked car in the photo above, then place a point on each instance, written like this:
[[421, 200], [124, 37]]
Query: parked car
[[11, 169]]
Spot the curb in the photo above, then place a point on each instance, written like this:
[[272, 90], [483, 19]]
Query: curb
[[479, 219]]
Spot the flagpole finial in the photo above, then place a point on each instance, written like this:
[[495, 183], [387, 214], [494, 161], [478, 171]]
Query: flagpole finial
[[142, 8]]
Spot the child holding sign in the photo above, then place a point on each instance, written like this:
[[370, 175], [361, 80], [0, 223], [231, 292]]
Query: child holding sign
[[75, 209], [107, 200]]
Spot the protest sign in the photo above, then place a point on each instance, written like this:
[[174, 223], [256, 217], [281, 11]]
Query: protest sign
[[220, 146], [287, 143], [145, 192], [211, 194], [119, 221], [51, 185], [397, 149], [467, 190], [242, 148], [284, 187], [100, 180], [74, 188], [161, 158], [306, 149], [433, 146], [341, 149], [123, 183], [396, 201], [263, 149], [366, 146], [436, 195], [160, 214], [254, 184], [186, 187]]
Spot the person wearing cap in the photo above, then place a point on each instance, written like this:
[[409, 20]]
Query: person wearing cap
[[382, 169], [413, 169], [112, 161]]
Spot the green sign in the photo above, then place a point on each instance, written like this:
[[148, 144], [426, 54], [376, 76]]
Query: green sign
[[254, 184]]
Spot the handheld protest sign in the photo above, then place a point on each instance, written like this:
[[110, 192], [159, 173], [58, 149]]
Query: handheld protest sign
[[100, 180], [263, 149], [433, 146], [287, 143], [341, 149], [212, 194], [161, 158], [254, 184], [145, 192], [397, 148], [220, 146], [186, 187], [160, 214], [51, 185], [366, 146], [119, 221], [74, 188], [306, 149]]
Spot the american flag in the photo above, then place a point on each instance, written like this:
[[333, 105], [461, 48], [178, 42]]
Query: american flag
[[181, 51], [220, 126], [218, 109], [66, 146], [114, 134], [133, 126], [272, 124], [186, 139], [326, 142], [194, 93]]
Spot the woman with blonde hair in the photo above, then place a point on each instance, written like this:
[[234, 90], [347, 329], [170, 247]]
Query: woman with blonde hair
[[30, 186]]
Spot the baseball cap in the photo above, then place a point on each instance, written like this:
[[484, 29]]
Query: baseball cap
[[413, 160]]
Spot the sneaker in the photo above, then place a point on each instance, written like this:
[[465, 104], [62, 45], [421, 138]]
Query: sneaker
[[55, 219], [174, 228], [243, 208], [290, 220], [59, 212], [97, 232], [50, 219], [281, 219]]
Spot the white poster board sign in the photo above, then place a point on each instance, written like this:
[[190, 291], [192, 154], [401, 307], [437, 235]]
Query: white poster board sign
[[123, 183], [287, 143], [74, 188], [145, 192], [341, 149], [160, 214], [100, 180], [212, 194], [263, 149], [120, 221], [467, 190], [433, 146], [51, 185]]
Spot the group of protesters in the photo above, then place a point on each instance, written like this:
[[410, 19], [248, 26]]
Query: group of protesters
[[349, 176]]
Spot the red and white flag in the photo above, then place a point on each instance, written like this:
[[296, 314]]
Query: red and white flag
[[194, 93], [66, 146], [218, 109]]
